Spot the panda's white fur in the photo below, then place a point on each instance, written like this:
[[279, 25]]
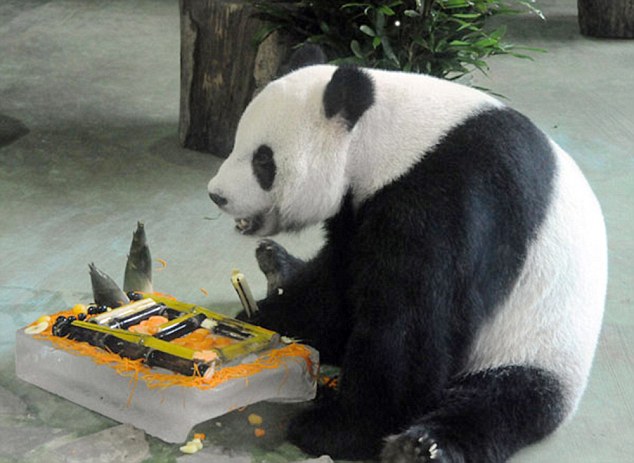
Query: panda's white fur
[[551, 318], [410, 115]]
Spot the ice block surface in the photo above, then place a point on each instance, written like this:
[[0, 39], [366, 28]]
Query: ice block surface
[[169, 413]]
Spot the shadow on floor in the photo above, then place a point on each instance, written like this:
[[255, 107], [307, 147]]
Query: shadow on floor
[[11, 129]]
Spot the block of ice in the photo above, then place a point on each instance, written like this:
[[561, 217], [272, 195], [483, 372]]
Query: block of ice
[[169, 413]]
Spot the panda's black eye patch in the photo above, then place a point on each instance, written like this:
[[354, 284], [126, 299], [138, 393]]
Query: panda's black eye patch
[[264, 167]]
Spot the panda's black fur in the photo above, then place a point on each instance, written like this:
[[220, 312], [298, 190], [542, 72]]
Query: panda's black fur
[[407, 278]]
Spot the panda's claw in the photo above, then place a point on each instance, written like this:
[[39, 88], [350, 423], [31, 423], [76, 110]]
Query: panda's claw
[[412, 448], [277, 265]]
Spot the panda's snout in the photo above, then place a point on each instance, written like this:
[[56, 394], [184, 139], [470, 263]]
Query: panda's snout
[[219, 200]]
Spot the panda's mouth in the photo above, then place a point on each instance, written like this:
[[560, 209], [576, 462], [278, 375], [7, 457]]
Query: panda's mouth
[[265, 223], [249, 225]]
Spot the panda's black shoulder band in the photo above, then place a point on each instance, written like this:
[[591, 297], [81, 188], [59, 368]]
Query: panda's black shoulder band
[[349, 94]]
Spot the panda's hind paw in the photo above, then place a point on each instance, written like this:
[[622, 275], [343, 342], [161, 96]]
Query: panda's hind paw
[[413, 447], [276, 263]]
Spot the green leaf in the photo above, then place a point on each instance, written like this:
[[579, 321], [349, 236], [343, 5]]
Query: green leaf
[[484, 43], [389, 52], [466, 15], [452, 4], [356, 49], [421, 42], [530, 7], [367, 30], [445, 38], [533, 49], [380, 23], [353, 5], [386, 10]]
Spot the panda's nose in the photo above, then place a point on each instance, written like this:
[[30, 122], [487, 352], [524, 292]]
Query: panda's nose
[[219, 200]]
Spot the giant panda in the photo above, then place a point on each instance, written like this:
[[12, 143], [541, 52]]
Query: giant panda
[[462, 281]]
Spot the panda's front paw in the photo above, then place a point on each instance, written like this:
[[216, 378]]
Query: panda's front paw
[[276, 263], [413, 446]]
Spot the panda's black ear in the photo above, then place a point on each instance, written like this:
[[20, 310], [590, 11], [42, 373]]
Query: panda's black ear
[[349, 94], [307, 55]]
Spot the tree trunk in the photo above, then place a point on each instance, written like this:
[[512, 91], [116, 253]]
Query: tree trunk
[[221, 66], [606, 18]]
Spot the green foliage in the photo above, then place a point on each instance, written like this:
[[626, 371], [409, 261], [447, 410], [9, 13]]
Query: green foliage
[[443, 38]]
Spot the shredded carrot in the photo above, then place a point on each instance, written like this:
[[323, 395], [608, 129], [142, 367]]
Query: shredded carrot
[[196, 370], [204, 291], [259, 432], [133, 383], [200, 436]]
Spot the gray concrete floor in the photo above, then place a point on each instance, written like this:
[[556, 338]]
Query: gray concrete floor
[[96, 86]]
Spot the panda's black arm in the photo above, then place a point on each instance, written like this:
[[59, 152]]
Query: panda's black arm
[[396, 360], [310, 309], [401, 349], [312, 305]]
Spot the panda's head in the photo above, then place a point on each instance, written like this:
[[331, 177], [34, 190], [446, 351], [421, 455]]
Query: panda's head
[[287, 169]]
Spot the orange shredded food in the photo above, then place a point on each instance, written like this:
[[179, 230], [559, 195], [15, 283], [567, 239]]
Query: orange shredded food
[[135, 369], [149, 326], [259, 432], [201, 339]]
